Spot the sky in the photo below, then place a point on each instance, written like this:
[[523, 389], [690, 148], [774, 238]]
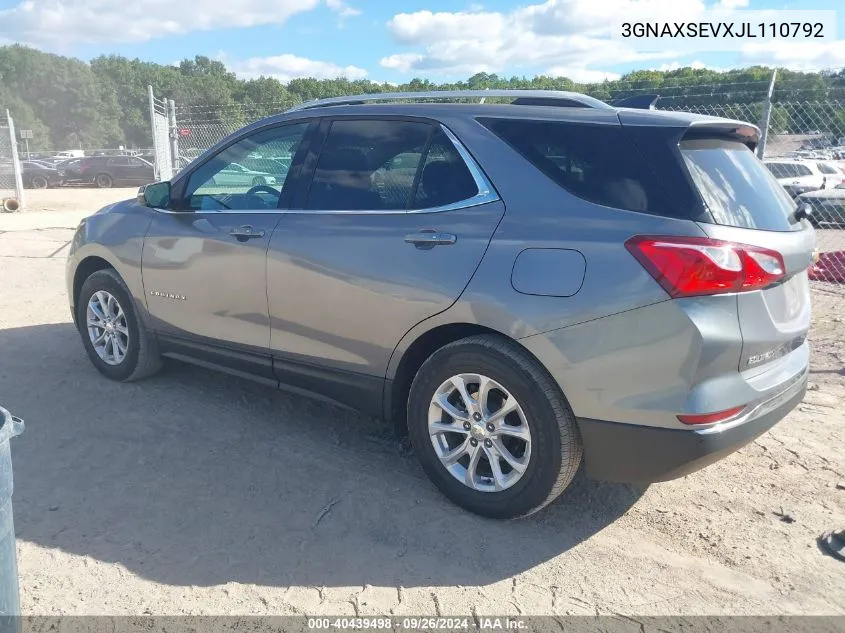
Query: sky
[[395, 40]]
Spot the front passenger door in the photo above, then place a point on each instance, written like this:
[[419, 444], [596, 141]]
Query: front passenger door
[[204, 260]]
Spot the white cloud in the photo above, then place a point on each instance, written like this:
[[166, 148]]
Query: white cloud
[[565, 35], [695, 65], [342, 8], [287, 67], [402, 62], [733, 4], [803, 56], [581, 75], [54, 23]]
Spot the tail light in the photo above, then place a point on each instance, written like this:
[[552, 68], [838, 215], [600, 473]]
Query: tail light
[[693, 266], [710, 418]]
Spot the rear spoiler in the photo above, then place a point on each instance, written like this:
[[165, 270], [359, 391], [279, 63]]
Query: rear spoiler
[[725, 128], [638, 102]]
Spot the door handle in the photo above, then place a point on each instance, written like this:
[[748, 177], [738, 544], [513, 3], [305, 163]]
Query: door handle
[[246, 232], [430, 239]]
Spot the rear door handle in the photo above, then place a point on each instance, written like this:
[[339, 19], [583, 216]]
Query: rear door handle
[[430, 239], [246, 232]]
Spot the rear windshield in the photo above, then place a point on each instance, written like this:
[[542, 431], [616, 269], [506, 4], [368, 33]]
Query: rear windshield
[[827, 169], [736, 188], [597, 163]]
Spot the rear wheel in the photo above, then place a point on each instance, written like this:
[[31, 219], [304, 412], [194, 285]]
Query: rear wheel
[[38, 182], [113, 336], [491, 428], [103, 181]]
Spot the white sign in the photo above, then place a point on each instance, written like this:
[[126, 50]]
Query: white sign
[[25, 134]]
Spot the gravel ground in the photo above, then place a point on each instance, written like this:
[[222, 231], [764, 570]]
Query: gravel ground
[[199, 493]]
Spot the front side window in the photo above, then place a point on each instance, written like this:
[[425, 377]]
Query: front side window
[[384, 165], [247, 175]]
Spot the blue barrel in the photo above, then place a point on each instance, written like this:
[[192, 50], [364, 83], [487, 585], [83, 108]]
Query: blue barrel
[[10, 607]]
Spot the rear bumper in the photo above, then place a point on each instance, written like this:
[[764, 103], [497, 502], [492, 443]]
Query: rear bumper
[[628, 452]]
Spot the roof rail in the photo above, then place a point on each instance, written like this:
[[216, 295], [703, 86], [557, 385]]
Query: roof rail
[[525, 97]]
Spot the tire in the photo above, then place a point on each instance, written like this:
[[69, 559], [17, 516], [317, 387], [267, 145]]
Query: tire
[[141, 358], [258, 181], [555, 444], [103, 181], [38, 182]]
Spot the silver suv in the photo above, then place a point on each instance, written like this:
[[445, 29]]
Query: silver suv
[[516, 285]]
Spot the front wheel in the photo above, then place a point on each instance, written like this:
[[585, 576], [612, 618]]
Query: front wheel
[[491, 428], [113, 336]]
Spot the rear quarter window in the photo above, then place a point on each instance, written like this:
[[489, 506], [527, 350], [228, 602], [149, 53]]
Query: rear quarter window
[[597, 163]]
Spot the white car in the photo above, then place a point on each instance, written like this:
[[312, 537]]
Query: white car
[[801, 176]]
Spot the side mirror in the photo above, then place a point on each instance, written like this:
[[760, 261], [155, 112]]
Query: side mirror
[[155, 195]]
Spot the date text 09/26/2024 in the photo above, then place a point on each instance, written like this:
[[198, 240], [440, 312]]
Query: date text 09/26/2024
[[417, 623]]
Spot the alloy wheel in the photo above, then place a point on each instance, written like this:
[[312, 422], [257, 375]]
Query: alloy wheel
[[107, 327], [479, 432]]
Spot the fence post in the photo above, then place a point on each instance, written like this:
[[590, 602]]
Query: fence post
[[151, 98], [766, 118], [174, 134], [16, 162]]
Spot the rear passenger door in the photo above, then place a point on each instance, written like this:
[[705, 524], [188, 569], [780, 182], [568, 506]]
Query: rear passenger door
[[391, 229]]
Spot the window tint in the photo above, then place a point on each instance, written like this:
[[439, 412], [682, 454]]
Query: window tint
[[226, 182], [368, 165], [595, 162], [445, 178], [736, 188], [119, 161], [828, 169]]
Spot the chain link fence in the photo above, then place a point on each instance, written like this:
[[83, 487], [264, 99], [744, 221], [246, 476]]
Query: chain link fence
[[11, 181], [804, 133]]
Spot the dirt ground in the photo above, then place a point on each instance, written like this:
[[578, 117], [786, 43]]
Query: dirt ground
[[199, 493]]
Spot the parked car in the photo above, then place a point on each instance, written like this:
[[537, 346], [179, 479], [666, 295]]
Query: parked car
[[236, 175], [108, 171], [643, 304], [830, 267], [37, 175], [801, 176], [70, 171], [824, 208]]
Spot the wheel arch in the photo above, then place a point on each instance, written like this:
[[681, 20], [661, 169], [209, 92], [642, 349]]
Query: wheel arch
[[87, 267], [411, 358]]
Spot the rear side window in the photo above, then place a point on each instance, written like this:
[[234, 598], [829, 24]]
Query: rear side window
[[368, 165], [598, 163], [445, 178], [735, 186], [388, 165]]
